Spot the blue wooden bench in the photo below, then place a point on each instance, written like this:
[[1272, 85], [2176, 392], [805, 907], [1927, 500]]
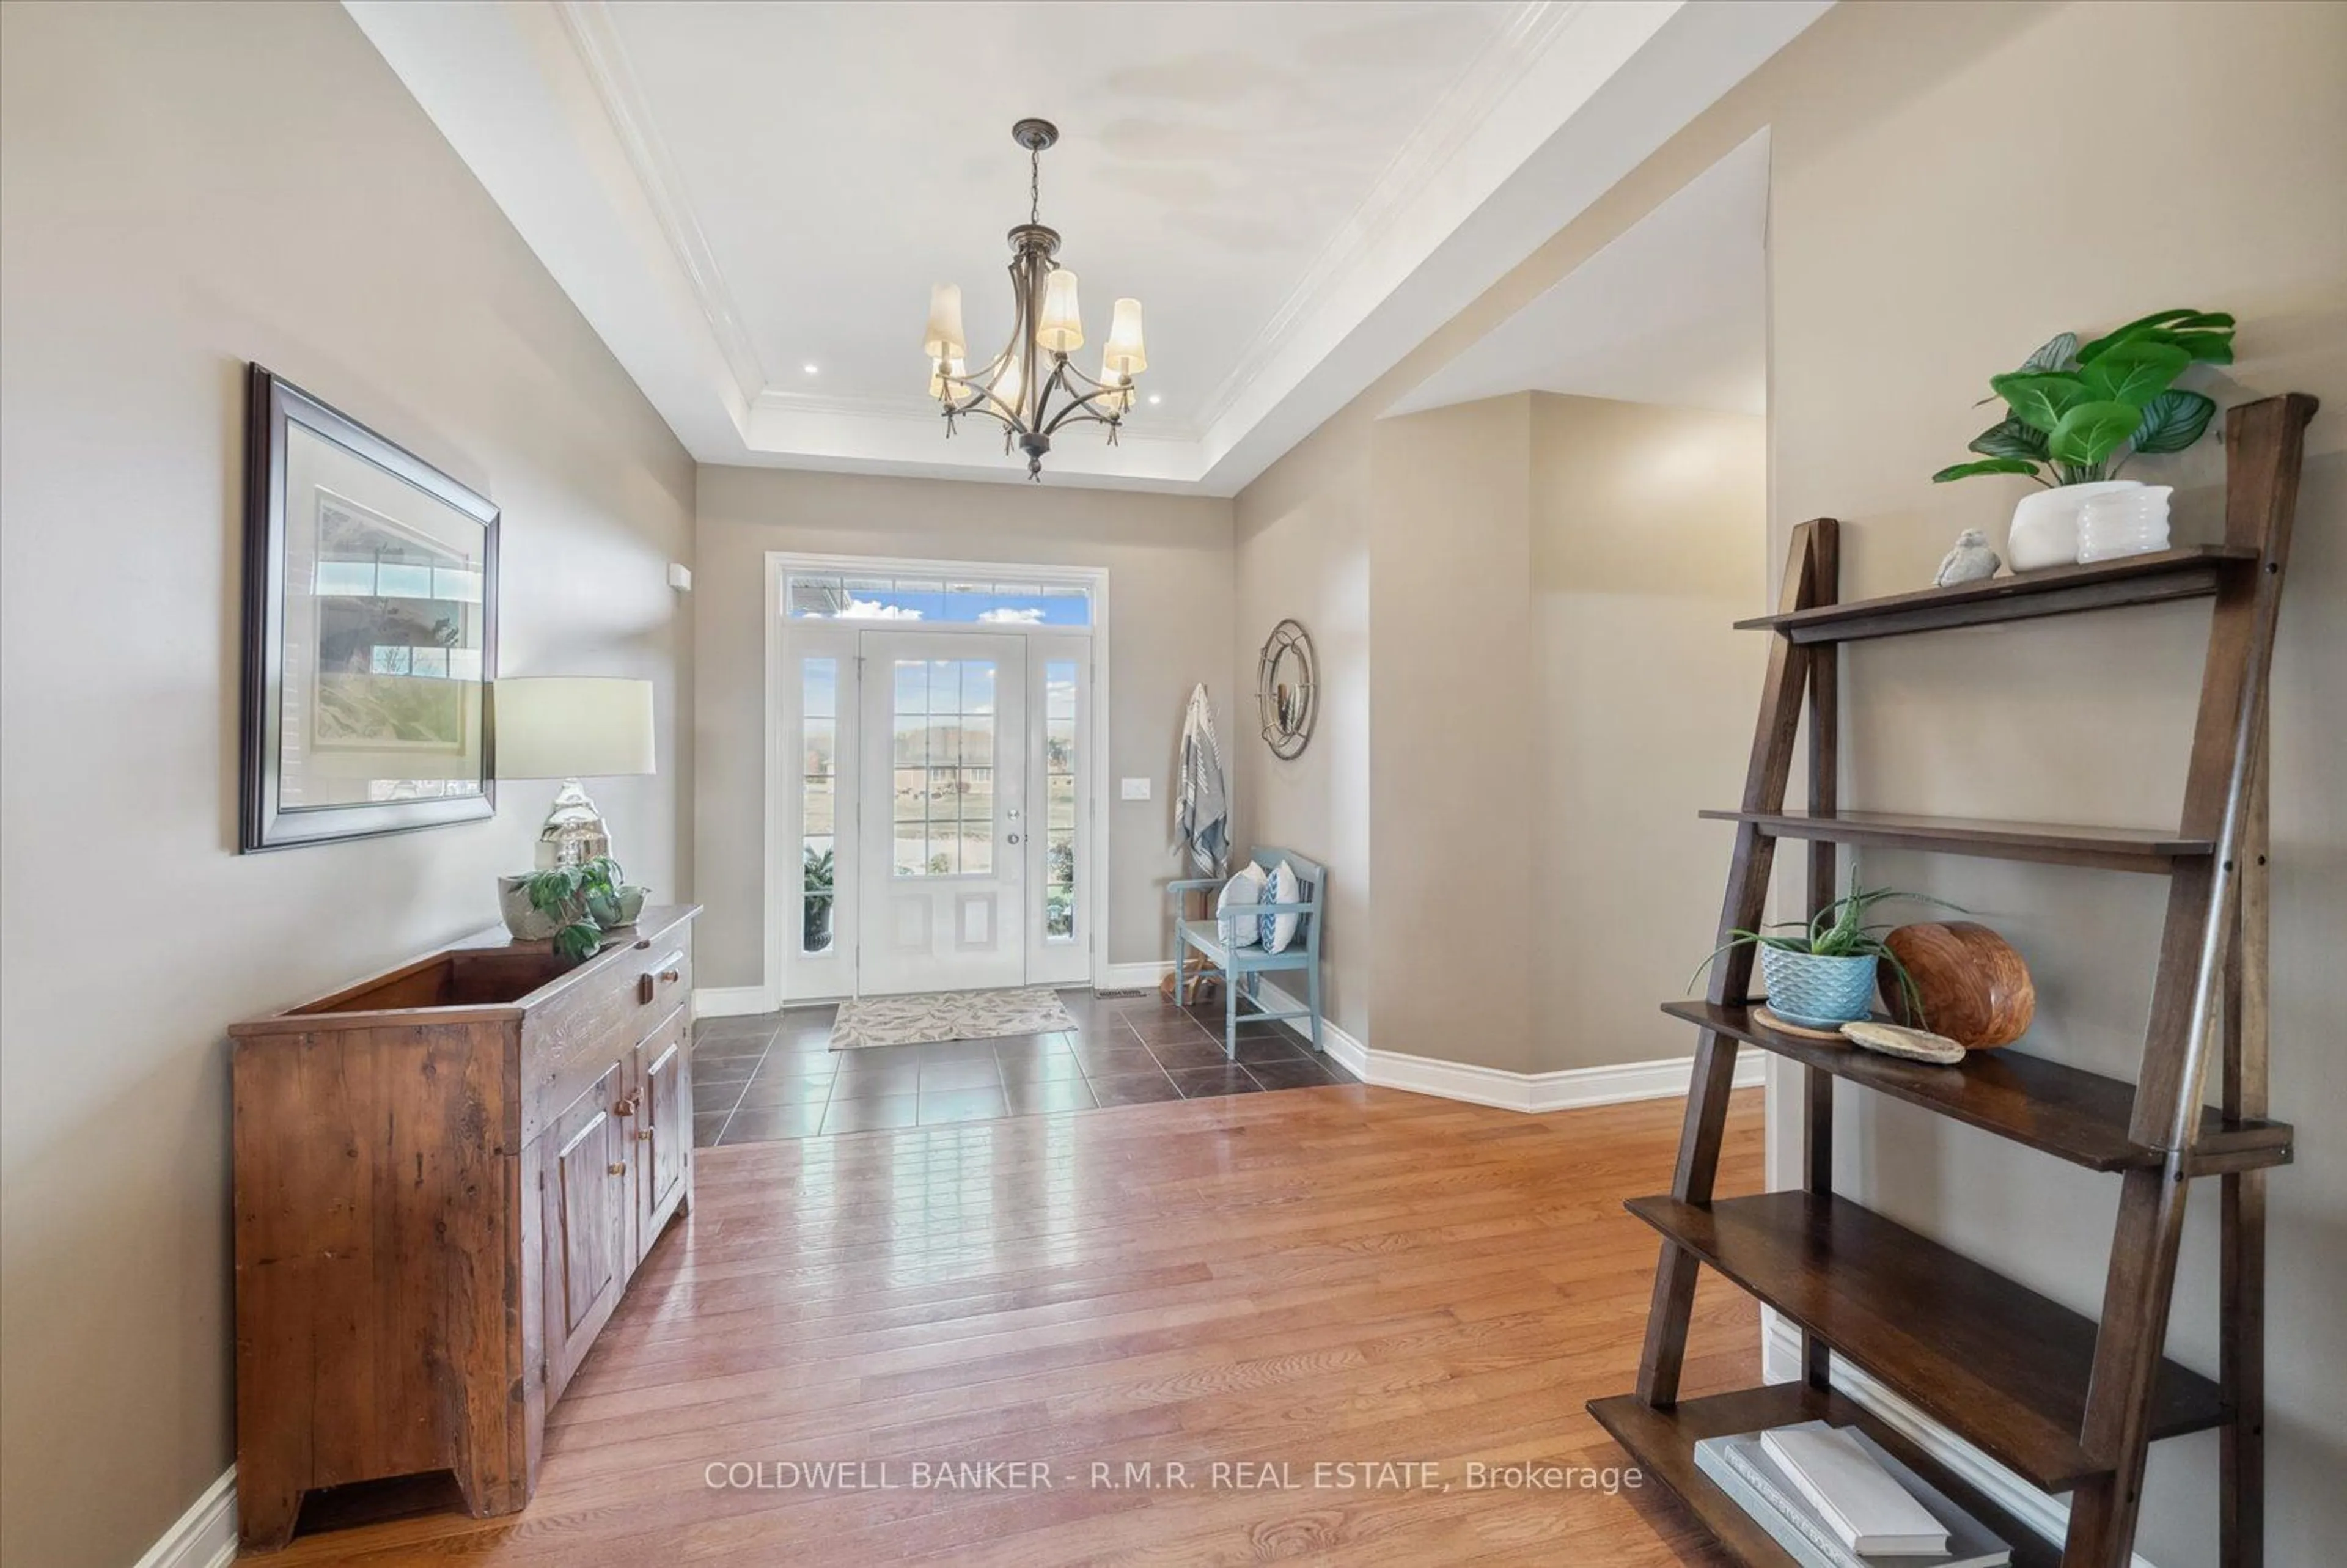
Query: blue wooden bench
[[1247, 966]]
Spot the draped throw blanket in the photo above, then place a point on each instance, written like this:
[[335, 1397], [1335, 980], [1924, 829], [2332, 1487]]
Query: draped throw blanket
[[1202, 819]]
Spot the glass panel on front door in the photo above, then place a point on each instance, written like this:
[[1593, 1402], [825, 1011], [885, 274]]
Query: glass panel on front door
[[818, 778], [1059, 800], [943, 712]]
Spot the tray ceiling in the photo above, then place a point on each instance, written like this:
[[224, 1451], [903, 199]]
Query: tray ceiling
[[1298, 194]]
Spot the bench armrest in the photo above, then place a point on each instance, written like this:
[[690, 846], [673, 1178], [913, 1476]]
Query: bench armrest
[[1229, 911], [1189, 884]]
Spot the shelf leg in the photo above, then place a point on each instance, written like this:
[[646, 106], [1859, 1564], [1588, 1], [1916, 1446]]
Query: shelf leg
[[1811, 555], [1825, 882], [2241, 1306]]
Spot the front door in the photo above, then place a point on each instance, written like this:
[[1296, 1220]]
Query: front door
[[941, 835]]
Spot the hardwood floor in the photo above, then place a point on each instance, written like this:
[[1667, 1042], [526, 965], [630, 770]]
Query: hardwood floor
[[1329, 1275]]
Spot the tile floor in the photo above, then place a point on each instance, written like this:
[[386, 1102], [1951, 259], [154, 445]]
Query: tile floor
[[773, 1076]]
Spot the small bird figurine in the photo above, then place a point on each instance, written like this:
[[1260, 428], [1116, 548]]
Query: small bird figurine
[[1970, 561]]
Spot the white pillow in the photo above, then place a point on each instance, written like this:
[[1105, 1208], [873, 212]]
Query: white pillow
[[1247, 888], [1279, 930]]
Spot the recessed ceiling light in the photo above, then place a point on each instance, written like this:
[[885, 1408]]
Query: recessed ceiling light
[[1154, 398], [808, 368]]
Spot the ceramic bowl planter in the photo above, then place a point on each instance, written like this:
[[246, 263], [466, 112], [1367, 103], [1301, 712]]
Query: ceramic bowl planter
[[527, 923], [1817, 992]]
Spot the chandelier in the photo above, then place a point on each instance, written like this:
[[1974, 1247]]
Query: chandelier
[[1030, 386]]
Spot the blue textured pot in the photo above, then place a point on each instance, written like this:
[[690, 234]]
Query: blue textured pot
[[1820, 993]]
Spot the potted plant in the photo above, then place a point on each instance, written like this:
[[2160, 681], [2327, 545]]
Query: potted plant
[[2081, 411], [1823, 974], [815, 923], [572, 905]]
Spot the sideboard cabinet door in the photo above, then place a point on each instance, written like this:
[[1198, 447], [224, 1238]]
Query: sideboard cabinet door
[[588, 1218], [664, 1130]]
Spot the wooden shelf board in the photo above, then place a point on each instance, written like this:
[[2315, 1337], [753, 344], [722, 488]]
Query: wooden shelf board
[[2189, 573], [2061, 844], [2072, 1116], [2000, 1365], [1663, 1442]]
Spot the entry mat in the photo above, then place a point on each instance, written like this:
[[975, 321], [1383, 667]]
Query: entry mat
[[948, 1015]]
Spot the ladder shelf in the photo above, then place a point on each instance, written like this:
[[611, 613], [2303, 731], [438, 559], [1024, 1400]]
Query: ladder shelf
[[2069, 1402]]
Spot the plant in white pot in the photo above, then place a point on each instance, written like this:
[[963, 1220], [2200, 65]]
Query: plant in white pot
[[2080, 412]]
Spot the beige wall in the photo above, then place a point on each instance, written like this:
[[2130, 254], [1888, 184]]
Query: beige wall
[[1303, 551], [1169, 564], [1649, 538], [1450, 818], [183, 188]]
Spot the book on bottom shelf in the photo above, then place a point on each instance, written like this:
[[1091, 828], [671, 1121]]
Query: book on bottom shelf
[[1741, 1467]]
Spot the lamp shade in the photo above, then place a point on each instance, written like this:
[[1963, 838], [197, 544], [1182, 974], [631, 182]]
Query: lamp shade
[[1125, 355], [1062, 330], [944, 339], [566, 726]]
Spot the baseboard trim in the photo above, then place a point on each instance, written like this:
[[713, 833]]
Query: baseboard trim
[[1565, 1088], [734, 1001], [2049, 1516], [204, 1536], [1130, 977]]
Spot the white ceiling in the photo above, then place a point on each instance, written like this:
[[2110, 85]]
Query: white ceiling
[[1675, 311], [1296, 192]]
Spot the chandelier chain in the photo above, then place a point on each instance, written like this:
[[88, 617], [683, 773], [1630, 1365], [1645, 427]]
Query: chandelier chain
[[1034, 185]]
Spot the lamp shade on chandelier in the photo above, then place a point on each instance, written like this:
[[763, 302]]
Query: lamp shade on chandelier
[[1031, 387]]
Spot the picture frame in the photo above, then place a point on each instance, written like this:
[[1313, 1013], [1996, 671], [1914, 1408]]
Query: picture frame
[[370, 632]]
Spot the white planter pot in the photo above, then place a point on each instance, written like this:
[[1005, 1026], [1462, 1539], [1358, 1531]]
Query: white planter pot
[[2046, 524]]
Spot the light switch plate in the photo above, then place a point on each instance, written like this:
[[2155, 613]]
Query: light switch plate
[[680, 576], [1136, 789]]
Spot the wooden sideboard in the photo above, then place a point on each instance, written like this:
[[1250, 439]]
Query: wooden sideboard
[[445, 1177]]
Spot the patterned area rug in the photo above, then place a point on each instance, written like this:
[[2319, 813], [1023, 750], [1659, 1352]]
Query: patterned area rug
[[948, 1015]]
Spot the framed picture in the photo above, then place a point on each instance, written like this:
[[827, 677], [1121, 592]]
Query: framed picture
[[370, 632]]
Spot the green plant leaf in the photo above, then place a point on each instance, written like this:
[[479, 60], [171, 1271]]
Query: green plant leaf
[[2135, 372], [2177, 321], [2054, 354], [2207, 346], [1985, 466], [2010, 438], [2039, 398], [578, 940], [2090, 432], [2173, 421]]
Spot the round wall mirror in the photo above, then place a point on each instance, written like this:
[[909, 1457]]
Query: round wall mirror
[[1286, 682]]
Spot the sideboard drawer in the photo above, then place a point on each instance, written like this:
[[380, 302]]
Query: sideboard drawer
[[566, 1044]]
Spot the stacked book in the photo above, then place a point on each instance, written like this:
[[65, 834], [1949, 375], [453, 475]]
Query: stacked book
[[1835, 1497]]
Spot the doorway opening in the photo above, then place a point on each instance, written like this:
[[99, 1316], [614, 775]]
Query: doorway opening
[[933, 775]]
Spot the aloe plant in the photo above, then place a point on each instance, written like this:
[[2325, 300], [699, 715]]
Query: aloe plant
[[2082, 410], [1839, 930]]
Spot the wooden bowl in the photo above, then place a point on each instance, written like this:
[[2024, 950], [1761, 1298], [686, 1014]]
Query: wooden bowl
[[1976, 988]]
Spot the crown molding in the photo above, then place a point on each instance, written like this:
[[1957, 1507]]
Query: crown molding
[[542, 103], [588, 25]]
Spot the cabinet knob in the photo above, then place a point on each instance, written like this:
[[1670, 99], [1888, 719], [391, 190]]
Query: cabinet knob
[[625, 1105], [619, 1167], [643, 1135]]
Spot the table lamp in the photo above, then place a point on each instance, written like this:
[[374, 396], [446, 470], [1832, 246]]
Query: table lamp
[[571, 727]]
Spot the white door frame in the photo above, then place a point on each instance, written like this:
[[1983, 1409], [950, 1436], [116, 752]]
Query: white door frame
[[781, 719]]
